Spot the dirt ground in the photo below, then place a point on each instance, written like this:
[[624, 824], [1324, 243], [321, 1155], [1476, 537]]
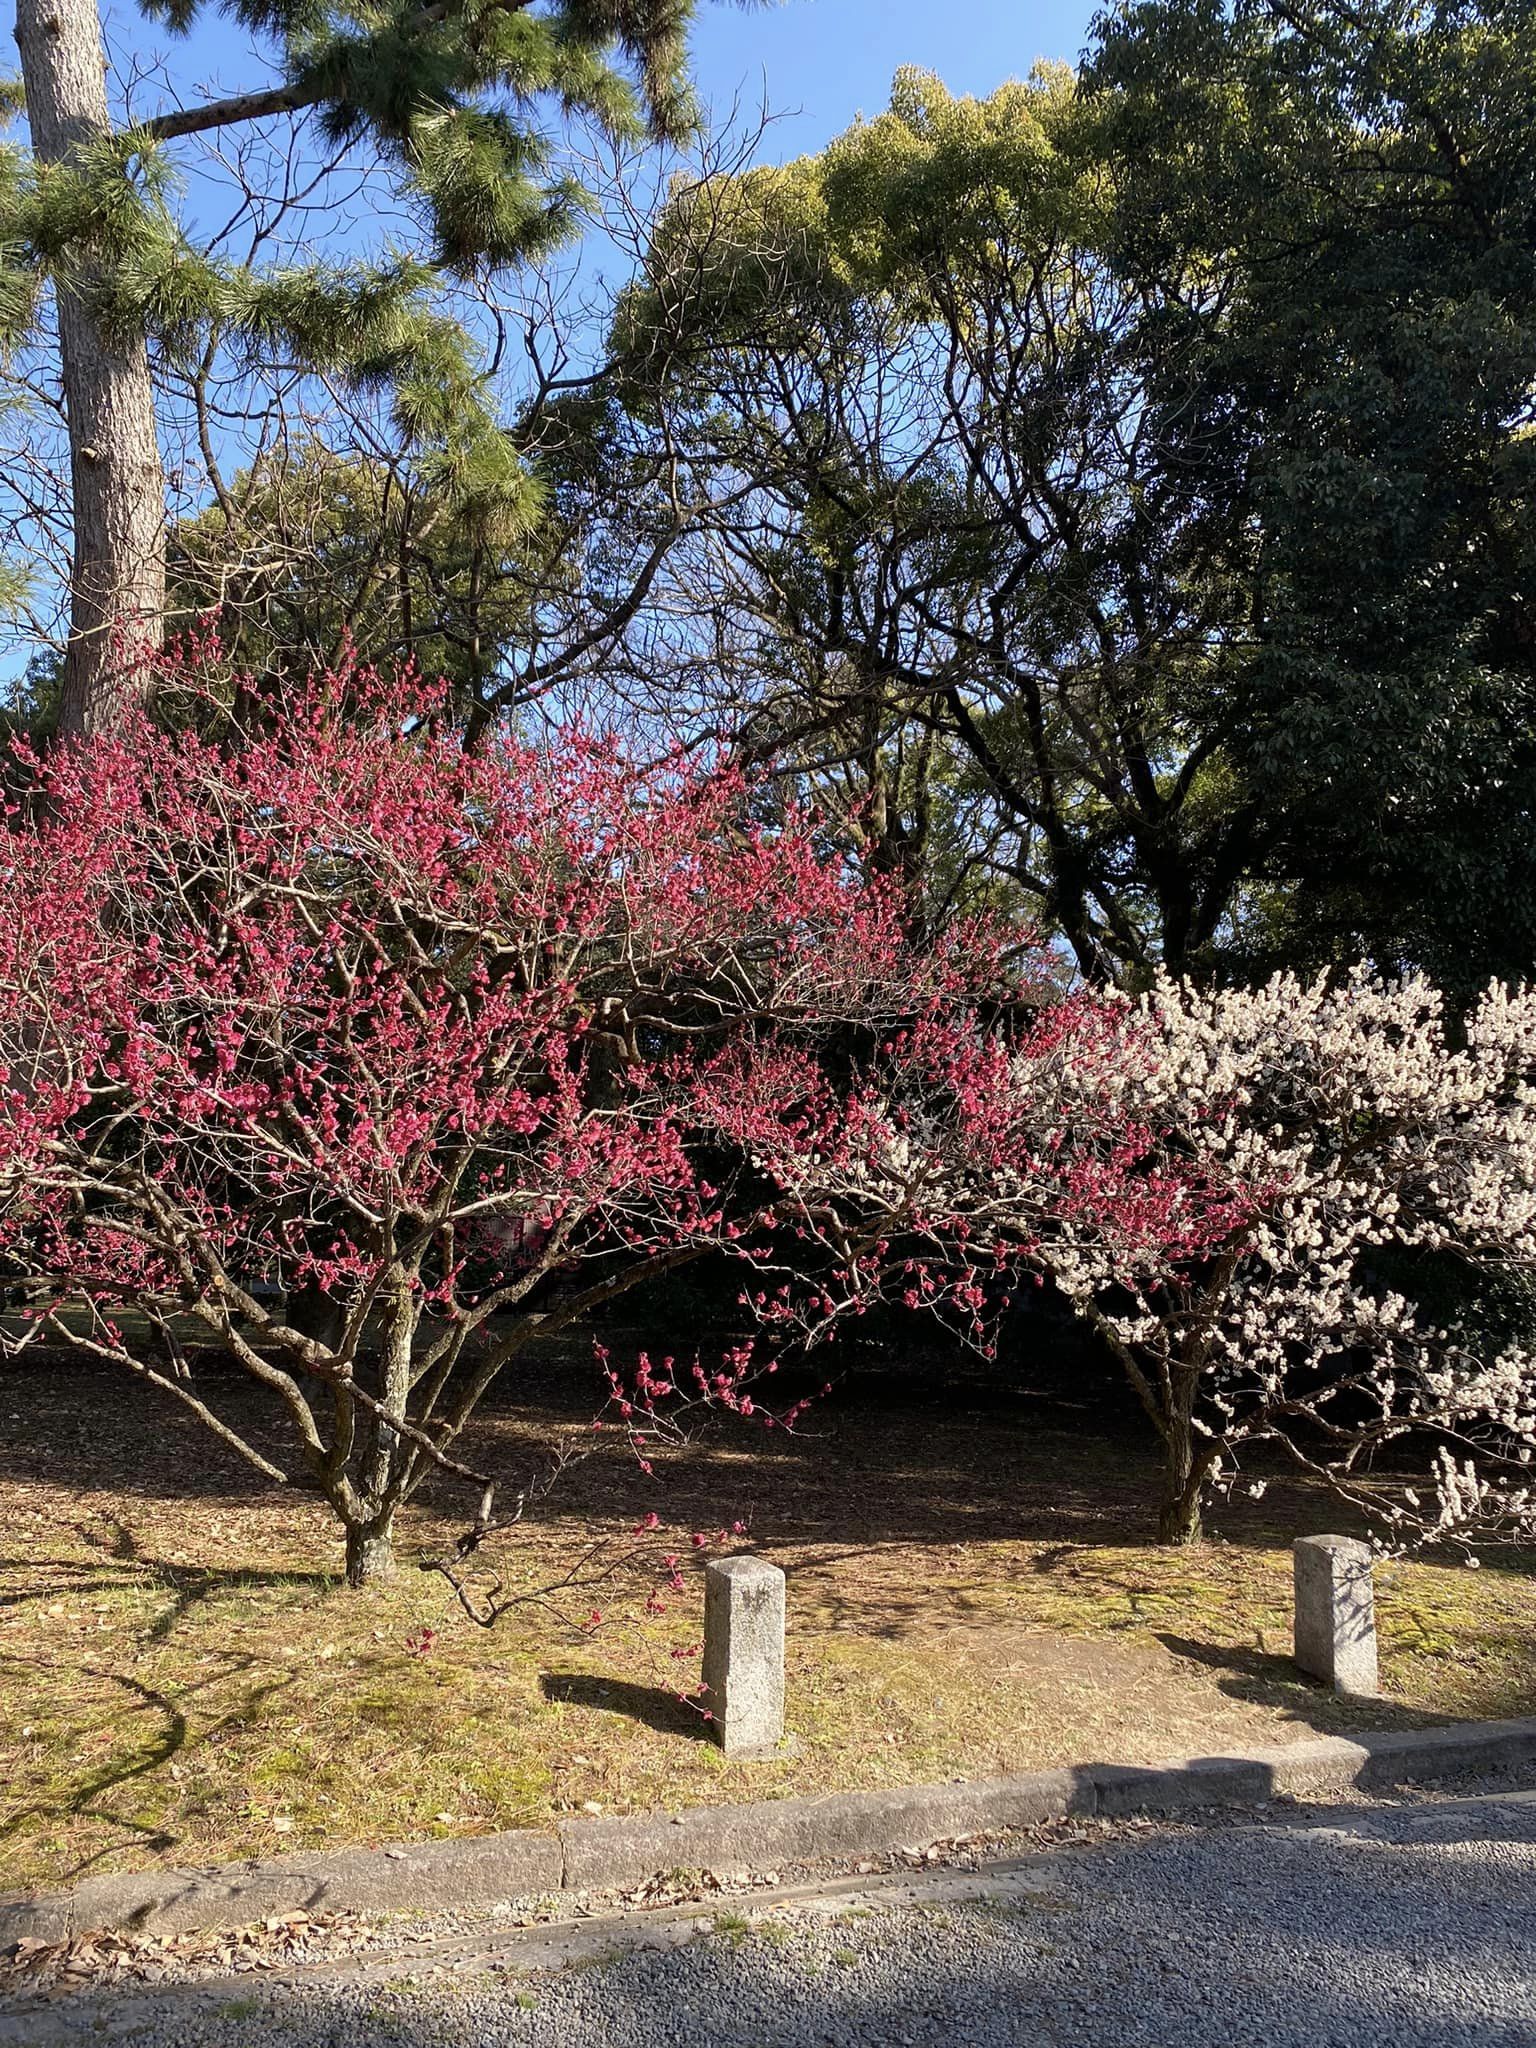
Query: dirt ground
[[183, 1678]]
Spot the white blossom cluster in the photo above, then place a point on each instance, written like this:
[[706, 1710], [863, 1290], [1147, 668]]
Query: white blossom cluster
[[1374, 1142]]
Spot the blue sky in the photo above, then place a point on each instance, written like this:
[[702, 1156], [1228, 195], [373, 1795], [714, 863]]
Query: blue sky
[[818, 63]]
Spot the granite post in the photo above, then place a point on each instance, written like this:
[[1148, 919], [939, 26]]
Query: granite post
[[1336, 1613], [744, 1655]]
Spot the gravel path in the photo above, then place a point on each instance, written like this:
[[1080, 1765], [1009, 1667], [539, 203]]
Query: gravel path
[[1411, 1926]]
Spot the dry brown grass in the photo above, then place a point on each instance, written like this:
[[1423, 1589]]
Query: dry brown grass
[[182, 1678]]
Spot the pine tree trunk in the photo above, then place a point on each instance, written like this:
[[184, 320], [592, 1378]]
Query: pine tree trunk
[[117, 598]]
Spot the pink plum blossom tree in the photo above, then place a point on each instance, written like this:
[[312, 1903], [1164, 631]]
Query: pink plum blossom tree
[[316, 1004]]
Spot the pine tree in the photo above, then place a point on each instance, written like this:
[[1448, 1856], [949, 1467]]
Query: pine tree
[[446, 98]]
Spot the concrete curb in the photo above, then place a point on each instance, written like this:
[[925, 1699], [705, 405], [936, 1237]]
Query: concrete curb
[[763, 1835]]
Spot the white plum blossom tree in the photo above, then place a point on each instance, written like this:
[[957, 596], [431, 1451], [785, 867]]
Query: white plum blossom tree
[[1375, 1142]]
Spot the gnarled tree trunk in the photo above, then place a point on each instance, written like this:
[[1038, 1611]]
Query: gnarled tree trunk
[[1178, 1511], [1169, 1395], [371, 1551], [373, 1504], [1188, 1456], [117, 597]]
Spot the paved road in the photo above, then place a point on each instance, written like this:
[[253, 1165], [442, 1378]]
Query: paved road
[[1411, 1926]]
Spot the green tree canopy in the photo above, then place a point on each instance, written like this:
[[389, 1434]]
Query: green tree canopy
[[1119, 485], [936, 519]]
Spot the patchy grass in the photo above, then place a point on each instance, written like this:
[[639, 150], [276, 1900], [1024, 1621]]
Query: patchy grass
[[183, 1679]]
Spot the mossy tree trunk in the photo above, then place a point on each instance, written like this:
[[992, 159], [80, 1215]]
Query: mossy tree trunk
[[1184, 1472], [368, 1507]]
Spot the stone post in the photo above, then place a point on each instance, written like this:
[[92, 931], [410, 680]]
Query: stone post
[[744, 1655], [1336, 1612]]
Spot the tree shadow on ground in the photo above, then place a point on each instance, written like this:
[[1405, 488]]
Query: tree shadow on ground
[[84, 1796], [669, 1713], [887, 1460], [126, 1566], [884, 1459]]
